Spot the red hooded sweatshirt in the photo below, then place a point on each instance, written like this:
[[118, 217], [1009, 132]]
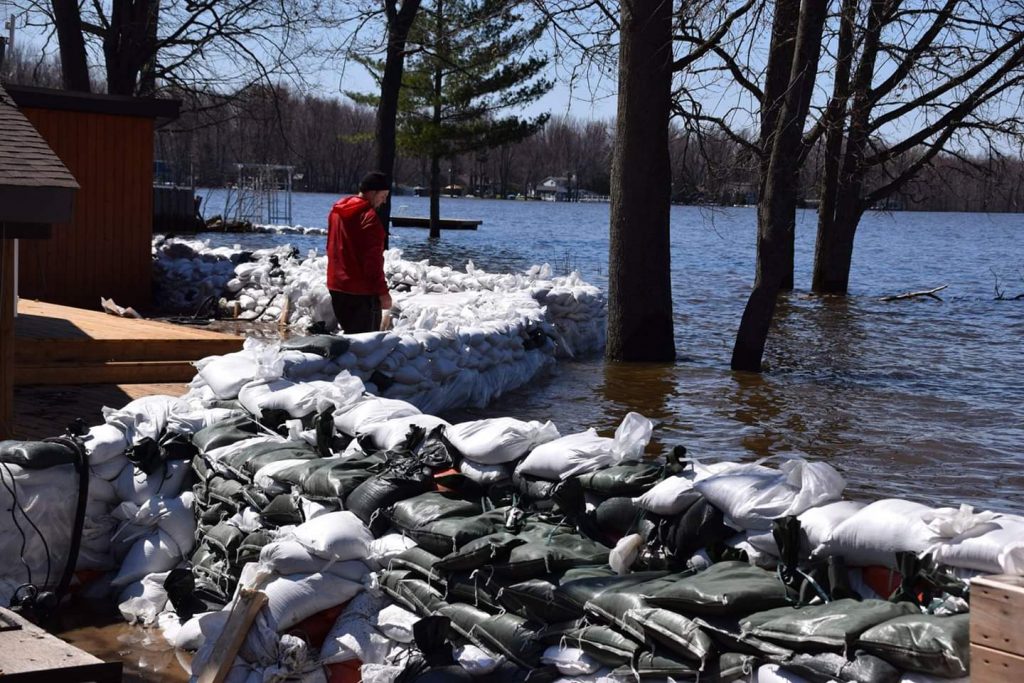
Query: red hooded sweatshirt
[[355, 248]]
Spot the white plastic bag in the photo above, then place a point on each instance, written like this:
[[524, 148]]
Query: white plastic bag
[[623, 556], [390, 433], [336, 535], [369, 411], [873, 535], [484, 475], [996, 547], [476, 660], [570, 661]]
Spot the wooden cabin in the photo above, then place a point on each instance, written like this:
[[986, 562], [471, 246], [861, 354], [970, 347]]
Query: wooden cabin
[[104, 250], [36, 192]]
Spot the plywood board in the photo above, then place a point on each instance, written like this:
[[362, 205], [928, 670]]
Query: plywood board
[[997, 613], [993, 666]]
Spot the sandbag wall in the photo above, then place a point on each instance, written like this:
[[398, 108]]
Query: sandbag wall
[[279, 285], [395, 546]]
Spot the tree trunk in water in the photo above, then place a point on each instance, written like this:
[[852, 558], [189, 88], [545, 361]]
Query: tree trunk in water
[[435, 197], [399, 23], [640, 287], [74, 67], [833, 252], [777, 203]]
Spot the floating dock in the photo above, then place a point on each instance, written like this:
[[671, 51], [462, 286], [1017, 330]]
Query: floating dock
[[423, 222], [64, 345]]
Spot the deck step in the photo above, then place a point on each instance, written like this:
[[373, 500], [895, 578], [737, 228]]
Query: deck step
[[118, 372], [29, 351]]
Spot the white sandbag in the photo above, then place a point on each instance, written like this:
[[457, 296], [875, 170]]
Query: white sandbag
[[996, 547], [667, 497], [296, 399], [146, 417], [101, 490], [104, 442], [381, 550], [226, 375], [166, 481], [354, 638], [143, 603], [751, 496], [584, 452], [111, 469], [380, 673], [391, 433], [816, 525], [173, 516], [773, 673], [396, 623], [291, 557], [476, 660], [914, 677], [336, 535], [570, 661], [369, 411], [873, 535], [485, 475], [200, 628], [366, 343], [499, 440], [154, 553], [292, 598]]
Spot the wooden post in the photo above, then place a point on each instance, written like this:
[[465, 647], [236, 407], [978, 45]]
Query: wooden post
[[6, 339], [243, 613]]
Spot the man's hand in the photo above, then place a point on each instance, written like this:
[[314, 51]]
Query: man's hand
[[385, 301]]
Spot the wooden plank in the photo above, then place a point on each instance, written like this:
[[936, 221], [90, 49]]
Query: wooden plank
[[43, 352], [46, 320], [243, 613], [142, 372], [30, 654], [6, 338], [997, 603], [994, 666]]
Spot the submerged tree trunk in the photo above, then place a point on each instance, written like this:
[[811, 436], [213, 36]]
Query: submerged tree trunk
[[399, 23], [640, 288], [435, 158], [74, 67], [776, 204]]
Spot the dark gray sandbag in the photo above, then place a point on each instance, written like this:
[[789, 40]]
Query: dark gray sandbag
[[727, 636], [700, 525], [538, 600], [415, 559], [504, 634], [325, 345], [583, 589], [482, 551], [832, 626], [631, 479], [673, 632], [37, 455], [369, 500], [224, 540], [556, 552], [604, 644], [649, 666], [423, 598], [615, 518], [282, 510], [831, 666], [614, 606], [247, 461], [473, 588], [939, 645], [225, 432], [726, 588], [734, 666], [443, 536], [413, 513], [332, 481], [250, 547]]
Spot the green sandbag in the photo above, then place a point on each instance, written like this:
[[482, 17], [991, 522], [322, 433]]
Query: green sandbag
[[674, 632], [224, 540], [725, 633], [652, 667], [331, 481], [633, 479], [224, 433], [726, 588], [412, 513], [482, 551], [474, 588], [37, 455], [538, 600], [444, 536], [557, 552], [614, 604], [247, 461], [923, 642], [831, 626], [604, 644], [832, 666], [734, 666], [416, 560], [251, 546], [583, 589], [423, 598], [282, 510]]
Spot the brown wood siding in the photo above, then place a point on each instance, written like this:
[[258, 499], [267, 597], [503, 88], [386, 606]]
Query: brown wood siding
[[105, 250]]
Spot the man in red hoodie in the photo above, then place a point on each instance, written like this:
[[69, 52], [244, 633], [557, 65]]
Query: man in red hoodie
[[355, 257]]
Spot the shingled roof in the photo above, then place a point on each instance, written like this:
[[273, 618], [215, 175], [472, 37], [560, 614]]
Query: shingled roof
[[35, 185]]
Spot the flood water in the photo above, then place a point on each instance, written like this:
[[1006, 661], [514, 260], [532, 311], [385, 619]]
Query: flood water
[[921, 399]]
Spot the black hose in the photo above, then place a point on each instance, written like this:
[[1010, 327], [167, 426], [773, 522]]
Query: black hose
[[82, 467]]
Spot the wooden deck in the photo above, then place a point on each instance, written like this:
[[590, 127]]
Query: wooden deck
[[61, 345], [28, 654]]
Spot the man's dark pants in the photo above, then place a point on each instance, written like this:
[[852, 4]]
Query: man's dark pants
[[356, 312]]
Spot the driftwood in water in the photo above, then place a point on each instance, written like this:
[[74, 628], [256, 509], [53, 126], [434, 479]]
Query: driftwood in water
[[914, 295]]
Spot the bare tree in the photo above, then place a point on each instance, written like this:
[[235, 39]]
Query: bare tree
[[916, 81]]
